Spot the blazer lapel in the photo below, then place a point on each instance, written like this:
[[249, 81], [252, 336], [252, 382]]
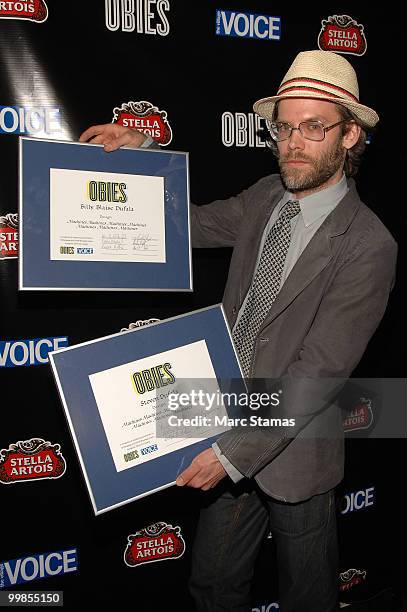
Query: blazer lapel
[[317, 253]]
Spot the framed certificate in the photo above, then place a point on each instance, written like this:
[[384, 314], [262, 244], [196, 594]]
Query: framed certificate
[[116, 394], [92, 220]]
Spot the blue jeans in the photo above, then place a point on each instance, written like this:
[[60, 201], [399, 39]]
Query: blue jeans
[[230, 532]]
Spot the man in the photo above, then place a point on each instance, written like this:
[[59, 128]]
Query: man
[[309, 280]]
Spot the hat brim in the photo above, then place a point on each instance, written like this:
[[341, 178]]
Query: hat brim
[[265, 107]]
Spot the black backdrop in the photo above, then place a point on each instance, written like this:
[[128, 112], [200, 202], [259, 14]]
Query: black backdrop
[[73, 62]]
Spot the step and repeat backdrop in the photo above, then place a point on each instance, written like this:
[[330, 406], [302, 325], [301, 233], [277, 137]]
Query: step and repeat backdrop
[[187, 74]]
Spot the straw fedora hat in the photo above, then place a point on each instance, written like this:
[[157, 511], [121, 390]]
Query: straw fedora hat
[[322, 75]]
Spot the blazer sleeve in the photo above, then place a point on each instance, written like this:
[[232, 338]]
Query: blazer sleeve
[[218, 224], [349, 314]]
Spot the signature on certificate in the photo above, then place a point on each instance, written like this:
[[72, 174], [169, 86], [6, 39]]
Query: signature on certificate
[[143, 242], [114, 242]]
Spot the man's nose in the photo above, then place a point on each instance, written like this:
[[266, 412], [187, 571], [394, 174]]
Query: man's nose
[[296, 140]]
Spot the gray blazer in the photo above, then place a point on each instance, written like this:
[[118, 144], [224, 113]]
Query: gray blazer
[[318, 326]]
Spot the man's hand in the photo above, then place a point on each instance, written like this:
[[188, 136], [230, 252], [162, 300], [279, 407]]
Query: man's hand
[[204, 472], [113, 136]]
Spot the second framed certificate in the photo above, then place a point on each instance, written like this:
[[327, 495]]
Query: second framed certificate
[[143, 403], [92, 220]]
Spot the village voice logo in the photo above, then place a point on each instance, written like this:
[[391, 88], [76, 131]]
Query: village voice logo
[[35, 120], [34, 10], [342, 34], [16, 353], [44, 565], [247, 25], [33, 459], [9, 236], [156, 542], [146, 118], [357, 500]]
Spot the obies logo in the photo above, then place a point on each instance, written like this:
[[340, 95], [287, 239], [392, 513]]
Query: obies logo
[[350, 578], [32, 459], [143, 16], [9, 236], [272, 607], [342, 34], [34, 10], [139, 323], [152, 378], [14, 353], [243, 130], [360, 417], [35, 567], [102, 191], [156, 542], [106, 195], [145, 118]]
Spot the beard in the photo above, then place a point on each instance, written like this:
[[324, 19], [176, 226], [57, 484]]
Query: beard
[[316, 174]]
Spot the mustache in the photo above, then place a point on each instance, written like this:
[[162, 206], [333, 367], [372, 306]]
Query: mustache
[[296, 158]]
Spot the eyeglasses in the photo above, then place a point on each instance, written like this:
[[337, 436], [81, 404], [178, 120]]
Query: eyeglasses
[[311, 130]]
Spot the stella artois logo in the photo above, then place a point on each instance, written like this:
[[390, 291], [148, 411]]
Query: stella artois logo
[[156, 542], [139, 323], [34, 10], [9, 236], [146, 118], [32, 459], [342, 34], [350, 578], [360, 417]]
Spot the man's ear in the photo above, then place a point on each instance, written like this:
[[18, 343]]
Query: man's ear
[[352, 134]]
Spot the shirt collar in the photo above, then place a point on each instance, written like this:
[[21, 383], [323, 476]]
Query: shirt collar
[[320, 203]]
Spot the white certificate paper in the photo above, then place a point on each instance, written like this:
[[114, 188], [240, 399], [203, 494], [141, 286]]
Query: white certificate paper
[[104, 216], [130, 419]]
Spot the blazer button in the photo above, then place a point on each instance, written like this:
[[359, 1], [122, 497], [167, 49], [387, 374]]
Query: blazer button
[[234, 310]]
